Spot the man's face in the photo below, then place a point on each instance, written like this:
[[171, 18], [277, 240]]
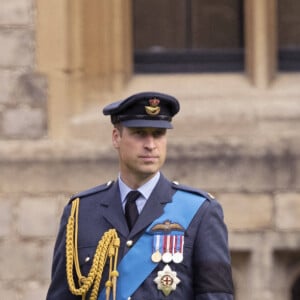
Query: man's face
[[142, 151]]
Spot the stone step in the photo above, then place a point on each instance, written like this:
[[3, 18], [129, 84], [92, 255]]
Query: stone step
[[212, 105], [204, 118]]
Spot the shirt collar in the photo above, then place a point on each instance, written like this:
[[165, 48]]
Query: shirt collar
[[146, 189]]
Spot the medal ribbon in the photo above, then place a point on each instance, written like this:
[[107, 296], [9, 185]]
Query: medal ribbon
[[131, 275], [156, 243]]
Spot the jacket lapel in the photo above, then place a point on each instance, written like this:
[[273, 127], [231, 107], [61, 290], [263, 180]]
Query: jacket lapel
[[113, 212]]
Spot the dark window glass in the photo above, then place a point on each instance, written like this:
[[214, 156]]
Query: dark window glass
[[188, 35], [289, 35]]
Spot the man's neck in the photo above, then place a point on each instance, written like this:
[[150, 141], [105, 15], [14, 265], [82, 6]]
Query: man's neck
[[134, 182]]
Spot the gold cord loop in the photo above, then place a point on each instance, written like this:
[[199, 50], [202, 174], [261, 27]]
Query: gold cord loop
[[107, 247]]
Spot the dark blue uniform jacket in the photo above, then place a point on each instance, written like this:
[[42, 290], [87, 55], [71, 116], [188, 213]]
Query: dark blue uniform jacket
[[205, 272]]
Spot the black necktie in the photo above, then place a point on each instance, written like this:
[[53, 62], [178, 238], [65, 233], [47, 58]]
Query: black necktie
[[131, 212]]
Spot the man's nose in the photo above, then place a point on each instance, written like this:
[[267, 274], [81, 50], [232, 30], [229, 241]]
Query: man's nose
[[150, 142]]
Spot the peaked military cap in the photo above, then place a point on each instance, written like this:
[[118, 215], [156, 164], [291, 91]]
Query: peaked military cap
[[146, 109]]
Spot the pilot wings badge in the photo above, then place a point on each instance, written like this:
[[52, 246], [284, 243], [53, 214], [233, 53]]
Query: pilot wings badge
[[167, 226]]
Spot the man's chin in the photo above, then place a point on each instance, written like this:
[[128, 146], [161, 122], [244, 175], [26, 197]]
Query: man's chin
[[148, 173]]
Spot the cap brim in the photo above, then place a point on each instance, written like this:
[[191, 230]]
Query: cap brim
[[147, 123]]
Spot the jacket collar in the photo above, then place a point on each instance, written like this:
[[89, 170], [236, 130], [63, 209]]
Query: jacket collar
[[113, 212]]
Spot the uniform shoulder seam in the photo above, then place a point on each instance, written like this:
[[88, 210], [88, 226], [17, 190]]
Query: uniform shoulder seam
[[189, 189], [92, 191]]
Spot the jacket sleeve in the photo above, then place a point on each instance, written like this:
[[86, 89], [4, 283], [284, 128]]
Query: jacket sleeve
[[58, 288], [212, 265]]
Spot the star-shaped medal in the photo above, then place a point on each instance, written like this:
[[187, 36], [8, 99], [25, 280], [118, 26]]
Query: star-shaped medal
[[166, 280]]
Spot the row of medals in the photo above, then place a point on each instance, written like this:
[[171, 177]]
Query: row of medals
[[167, 248]]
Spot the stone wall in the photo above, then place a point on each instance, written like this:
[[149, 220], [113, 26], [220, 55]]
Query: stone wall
[[23, 92], [259, 191], [255, 175]]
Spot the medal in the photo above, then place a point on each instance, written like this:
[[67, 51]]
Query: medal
[[177, 258], [178, 249], [167, 242], [156, 255], [166, 280], [167, 255]]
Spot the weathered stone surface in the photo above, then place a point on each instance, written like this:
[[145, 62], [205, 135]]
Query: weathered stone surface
[[56, 176], [8, 80], [46, 255], [287, 211], [248, 212], [17, 48], [31, 89], [8, 290], [33, 290], [19, 260], [35, 217], [16, 12], [21, 122], [6, 216]]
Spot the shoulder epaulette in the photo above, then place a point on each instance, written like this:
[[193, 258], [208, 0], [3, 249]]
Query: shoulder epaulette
[[92, 191], [189, 189]]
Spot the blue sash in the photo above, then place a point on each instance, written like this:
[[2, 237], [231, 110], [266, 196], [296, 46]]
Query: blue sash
[[136, 265]]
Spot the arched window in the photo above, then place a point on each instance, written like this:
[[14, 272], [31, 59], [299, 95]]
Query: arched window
[[188, 35]]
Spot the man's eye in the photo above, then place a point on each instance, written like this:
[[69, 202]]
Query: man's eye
[[158, 133], [139, 132]]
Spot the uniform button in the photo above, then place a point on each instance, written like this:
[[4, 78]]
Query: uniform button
[[129, 244], [87, 259], [129, 298], [211, 196]]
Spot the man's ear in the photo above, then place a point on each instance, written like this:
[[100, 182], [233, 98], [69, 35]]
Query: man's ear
[[116, 136]]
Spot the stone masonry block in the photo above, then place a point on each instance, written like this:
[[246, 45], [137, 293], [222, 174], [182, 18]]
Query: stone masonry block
[[287, 211], [19, 260], [16, 12], [296, 175], [54, 176], [5, 216], [17, 48], [46, 260], [8, 291], [33, 291], [8, 79], [31, 89], [22, 122], [35, 217], [247, 211]]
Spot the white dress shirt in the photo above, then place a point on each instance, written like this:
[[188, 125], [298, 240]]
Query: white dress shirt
[[145, 190]]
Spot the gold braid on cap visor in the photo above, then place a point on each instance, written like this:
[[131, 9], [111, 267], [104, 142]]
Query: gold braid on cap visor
[[108, 247]]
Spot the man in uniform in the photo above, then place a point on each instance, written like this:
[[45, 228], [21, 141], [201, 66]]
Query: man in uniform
[[142, 237]]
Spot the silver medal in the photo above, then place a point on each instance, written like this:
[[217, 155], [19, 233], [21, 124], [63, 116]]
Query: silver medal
[[167, 257], [177, 257]]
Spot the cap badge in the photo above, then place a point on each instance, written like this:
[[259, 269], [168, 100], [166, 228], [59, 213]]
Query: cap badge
[[166, 280], [153, 109]]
